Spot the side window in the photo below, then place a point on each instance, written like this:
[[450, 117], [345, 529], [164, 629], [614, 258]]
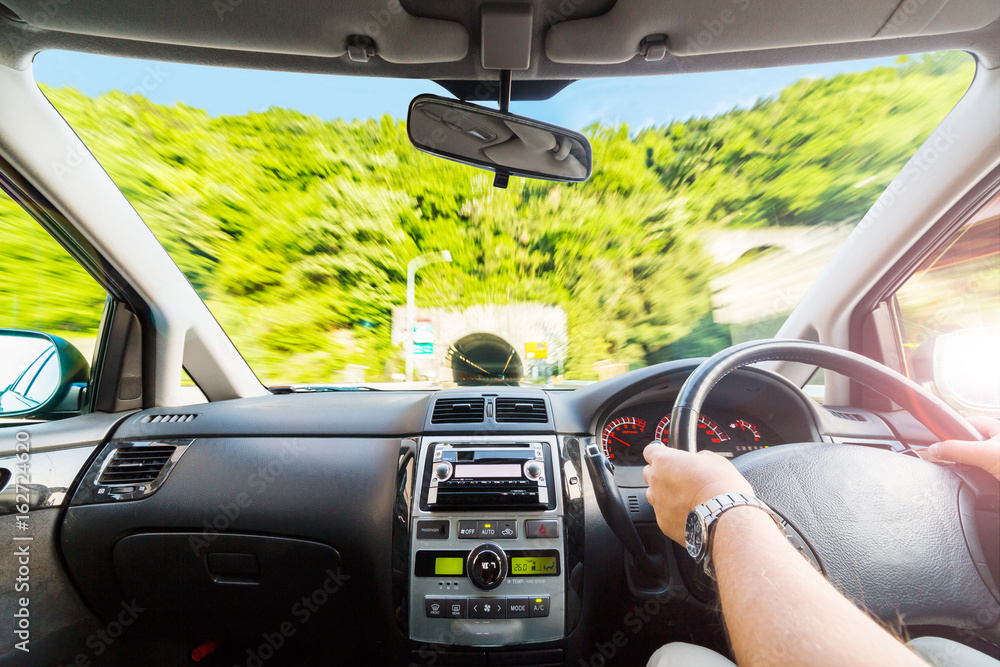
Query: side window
[[949, 314], [50, 311]]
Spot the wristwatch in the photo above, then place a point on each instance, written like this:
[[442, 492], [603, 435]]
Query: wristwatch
[[700, 521]]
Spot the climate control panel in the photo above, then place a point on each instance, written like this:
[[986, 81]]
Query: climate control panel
[[488, 577]]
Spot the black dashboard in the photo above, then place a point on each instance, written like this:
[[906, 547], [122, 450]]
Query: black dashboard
[[267, 500]]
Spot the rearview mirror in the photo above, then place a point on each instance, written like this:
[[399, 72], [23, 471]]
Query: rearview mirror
[[498, 141], [40, 375], [964, 367]]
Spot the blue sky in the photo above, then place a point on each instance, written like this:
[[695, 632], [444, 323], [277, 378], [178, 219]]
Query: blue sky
[[637, 101]]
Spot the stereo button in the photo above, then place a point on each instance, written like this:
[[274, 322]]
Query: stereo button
[[533, 470]]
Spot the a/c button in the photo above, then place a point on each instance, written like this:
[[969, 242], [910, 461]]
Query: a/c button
[[539, 606]]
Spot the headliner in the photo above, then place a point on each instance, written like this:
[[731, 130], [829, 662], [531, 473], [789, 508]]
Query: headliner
[[440, 39]]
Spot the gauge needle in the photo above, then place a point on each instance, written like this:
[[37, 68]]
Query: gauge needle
[[621, 441]]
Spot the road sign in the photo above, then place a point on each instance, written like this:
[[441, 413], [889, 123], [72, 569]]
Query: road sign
[[536, 350], [423, 337]]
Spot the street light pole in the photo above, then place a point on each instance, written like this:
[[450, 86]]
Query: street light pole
[[412, 267]]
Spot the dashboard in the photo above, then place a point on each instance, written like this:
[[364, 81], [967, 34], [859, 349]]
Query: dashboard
[[449, 537], [726, 432]]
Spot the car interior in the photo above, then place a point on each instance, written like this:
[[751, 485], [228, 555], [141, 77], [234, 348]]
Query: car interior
[[502, 523]]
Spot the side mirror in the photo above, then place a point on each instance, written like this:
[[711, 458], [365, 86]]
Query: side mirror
[[40, 375], [964, 367], [500, 142]]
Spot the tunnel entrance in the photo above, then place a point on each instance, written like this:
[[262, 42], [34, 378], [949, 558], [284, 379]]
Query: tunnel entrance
[[484, 358]]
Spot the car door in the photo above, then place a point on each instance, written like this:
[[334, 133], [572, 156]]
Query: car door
[[936, 319], [57, 406]]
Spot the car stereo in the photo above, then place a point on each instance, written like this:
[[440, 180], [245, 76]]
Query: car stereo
[[474, 476]]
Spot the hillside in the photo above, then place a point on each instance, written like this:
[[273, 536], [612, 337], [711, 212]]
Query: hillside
[[297, 231]]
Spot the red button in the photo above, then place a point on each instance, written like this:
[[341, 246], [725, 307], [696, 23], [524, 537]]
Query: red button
[[541, 528]]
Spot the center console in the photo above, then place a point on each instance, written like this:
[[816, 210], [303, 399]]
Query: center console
[[487, 543]]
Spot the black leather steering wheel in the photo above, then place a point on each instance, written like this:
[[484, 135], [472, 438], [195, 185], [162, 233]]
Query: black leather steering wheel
[[894, 533]]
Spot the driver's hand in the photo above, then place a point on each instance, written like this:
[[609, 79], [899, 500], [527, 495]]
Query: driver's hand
[[680, 481], [984, 454]]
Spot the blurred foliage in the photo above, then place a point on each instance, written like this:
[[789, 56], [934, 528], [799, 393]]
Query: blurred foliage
[[297, 231], [42, 288]]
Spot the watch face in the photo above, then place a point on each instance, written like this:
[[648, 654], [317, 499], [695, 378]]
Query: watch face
[[694, 535]]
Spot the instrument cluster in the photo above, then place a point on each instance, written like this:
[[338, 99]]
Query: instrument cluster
[[726, 432]]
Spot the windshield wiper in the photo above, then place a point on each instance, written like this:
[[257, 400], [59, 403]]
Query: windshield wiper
[[315, 389]]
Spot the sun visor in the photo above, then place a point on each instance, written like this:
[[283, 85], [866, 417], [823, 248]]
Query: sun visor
[[643, 27], [936, 17], [294, 27]]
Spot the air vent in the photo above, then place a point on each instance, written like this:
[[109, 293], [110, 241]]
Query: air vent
[[136, 464], [522, 410], [458, 411], [633, 503], [852, 416], [155, 419]]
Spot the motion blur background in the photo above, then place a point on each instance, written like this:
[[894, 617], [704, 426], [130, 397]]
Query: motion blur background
[[703, 224]]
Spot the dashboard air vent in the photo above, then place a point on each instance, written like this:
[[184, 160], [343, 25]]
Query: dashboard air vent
[[853, 416], [458, 411], [154, 419], [136, 464], [522, 410]]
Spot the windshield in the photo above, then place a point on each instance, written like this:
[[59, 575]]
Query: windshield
[[301, 214]]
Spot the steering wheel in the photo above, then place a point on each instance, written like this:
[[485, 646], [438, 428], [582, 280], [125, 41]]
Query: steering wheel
[[893, 532], [930, 410]]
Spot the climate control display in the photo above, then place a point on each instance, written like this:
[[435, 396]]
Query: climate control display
[[534, 565]]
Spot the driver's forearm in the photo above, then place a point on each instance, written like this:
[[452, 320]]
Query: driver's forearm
[[779, 610]]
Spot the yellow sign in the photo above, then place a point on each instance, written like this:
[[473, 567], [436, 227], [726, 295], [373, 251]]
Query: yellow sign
[[536, 351]]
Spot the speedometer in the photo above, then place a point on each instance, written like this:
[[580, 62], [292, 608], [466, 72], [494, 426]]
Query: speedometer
[[710, 435], [624, 440]]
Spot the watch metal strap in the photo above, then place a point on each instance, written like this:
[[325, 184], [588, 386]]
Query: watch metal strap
[[719, 504], [712, 509]]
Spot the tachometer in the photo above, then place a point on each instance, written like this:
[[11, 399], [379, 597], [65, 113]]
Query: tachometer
[[710, 434], [746, 437], [744, 430], [623, 440]]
